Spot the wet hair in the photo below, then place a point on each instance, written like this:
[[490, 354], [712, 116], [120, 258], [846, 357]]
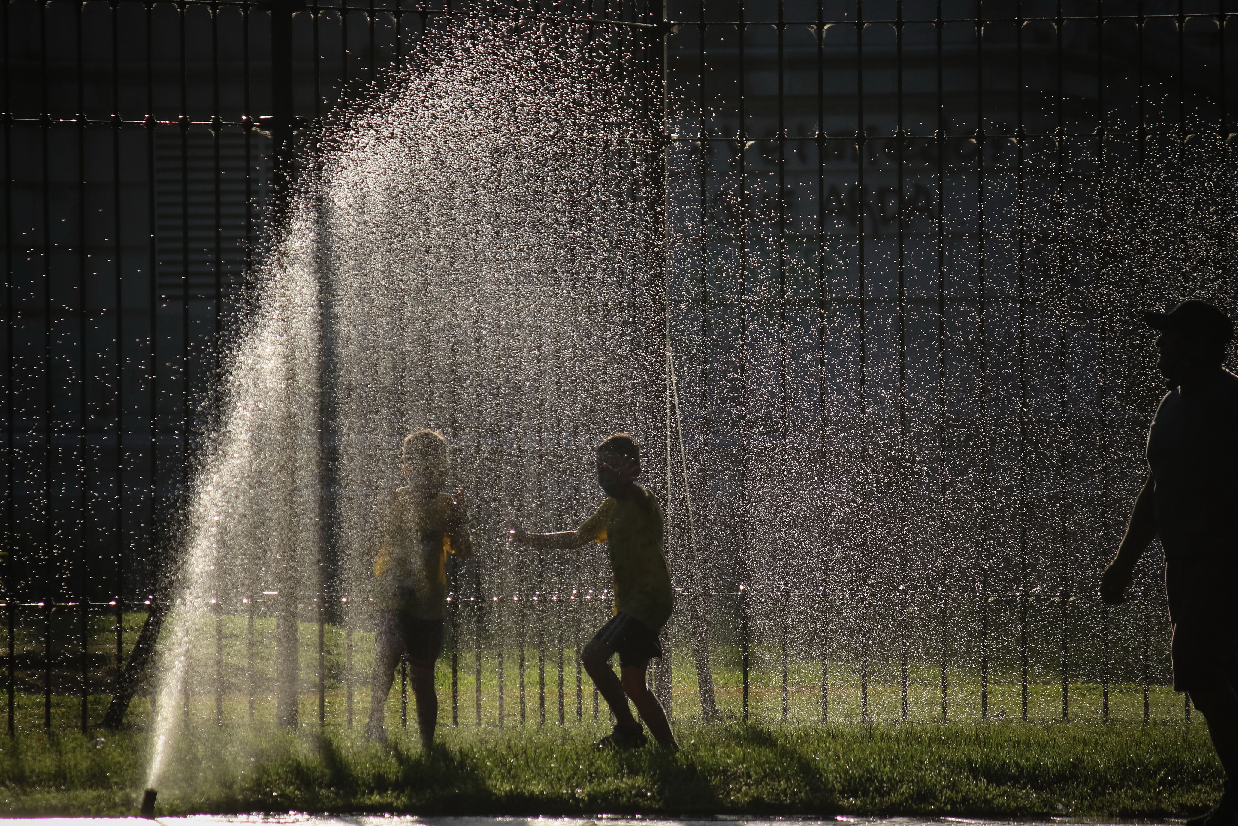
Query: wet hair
[[622, 444], [424, 449]]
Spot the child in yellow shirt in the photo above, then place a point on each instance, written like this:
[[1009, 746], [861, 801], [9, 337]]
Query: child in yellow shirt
[[419, 524], [630, 522]]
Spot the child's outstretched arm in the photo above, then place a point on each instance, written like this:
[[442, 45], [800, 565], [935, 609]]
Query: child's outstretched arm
[[592, 529]]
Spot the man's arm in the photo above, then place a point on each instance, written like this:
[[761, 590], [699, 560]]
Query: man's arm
[[1139, 535]]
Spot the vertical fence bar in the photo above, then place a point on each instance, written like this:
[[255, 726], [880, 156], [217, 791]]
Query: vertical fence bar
[[119, 328], [453, 618], [11, 621], [861, 149], [1021, 263], [981, 289], [403, 693], [501, 645], [249, 653], [580, 688], [941, 344], [348, 674], [745, 656], [522, 614], [900, 138], [83, 579], [478, 633], [322, 656], [824, 293], [186, 693], [782, 303], [84, 660], [539, 600], [1060, 135], [44, 161], [1020, 140], [1141, 137], [216, 185], [152, 297], [1106, 641], [185, 424], [219, 662], [279, 205], [47, 664], [10, 481], [745, 653]]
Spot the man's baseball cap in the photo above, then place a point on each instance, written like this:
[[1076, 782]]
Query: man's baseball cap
[[1196, 319]]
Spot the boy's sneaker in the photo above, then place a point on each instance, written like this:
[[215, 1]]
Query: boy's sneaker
[[624, 738]]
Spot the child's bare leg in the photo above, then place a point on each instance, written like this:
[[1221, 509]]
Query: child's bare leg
[[422, 678], [596, 660], [381, 678], [647, 705]]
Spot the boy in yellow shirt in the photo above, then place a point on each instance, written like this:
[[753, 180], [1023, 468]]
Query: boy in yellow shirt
[[630, 522], [419, 524]]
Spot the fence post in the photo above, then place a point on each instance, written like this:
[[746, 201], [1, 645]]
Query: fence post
[[281, 126]]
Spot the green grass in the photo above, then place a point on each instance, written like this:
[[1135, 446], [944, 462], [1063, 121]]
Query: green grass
[[1002, 769]]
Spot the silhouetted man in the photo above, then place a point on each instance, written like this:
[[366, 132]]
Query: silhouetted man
[[1190, 499]]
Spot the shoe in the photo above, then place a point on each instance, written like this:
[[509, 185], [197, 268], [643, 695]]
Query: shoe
[[623, 738], [374, 732]]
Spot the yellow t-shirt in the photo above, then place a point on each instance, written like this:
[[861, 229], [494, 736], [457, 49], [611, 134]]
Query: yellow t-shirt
[[414, 540], [632, 529]]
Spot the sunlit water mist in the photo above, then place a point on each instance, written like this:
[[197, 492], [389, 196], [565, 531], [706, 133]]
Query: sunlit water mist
[[928, 491], [921, 497], [469, 254]]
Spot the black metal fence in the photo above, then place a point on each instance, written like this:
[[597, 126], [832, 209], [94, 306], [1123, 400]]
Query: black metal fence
[[864, 199]]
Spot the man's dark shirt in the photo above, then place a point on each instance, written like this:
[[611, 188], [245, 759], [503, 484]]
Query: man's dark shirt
[[1193, 454]]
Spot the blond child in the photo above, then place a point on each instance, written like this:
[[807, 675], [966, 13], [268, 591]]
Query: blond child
[[419, 524]]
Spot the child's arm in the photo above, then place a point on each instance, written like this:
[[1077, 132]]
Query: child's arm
[[592, 530], [381, 536], [560, 541], [458, 533]]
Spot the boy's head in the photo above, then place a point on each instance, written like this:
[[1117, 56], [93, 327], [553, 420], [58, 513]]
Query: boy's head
[[618, 463], [425, 460]]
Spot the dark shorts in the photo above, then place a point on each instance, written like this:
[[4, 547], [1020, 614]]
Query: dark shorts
[[634, 642], [1202, 657], [398, 635]]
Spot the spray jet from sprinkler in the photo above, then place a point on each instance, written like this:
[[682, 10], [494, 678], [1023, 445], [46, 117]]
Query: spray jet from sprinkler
[[148, 804]]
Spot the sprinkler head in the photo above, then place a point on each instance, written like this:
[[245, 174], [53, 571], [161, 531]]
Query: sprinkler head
[[148, 804]]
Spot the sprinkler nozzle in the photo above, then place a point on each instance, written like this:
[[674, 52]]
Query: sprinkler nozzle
[[148, 804]]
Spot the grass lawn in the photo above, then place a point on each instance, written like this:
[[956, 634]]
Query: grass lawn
[[1004, 769]]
